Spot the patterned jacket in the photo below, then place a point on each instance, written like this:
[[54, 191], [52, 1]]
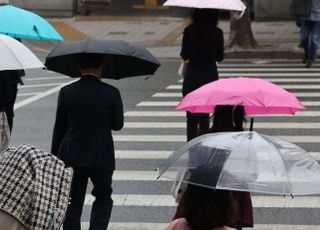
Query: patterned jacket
[[34, 187]]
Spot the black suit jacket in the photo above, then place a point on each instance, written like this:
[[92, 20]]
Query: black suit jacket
[[87, 112]]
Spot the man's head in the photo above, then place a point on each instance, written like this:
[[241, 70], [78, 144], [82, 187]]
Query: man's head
[[90, 63]]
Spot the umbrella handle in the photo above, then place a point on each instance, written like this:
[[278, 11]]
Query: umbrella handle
[[251, 124]]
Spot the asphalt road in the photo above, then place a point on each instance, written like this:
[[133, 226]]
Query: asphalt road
[[153, 131]]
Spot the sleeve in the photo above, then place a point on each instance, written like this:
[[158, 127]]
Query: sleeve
[[185, 52], [220, 46], [117, 112], [5, 88], [60, 125]]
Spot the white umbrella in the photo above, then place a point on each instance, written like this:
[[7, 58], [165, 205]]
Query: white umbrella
[[236, 5], [14, 55]]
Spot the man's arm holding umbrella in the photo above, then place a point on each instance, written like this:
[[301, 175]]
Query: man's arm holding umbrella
[[60, 125], [117, 113]]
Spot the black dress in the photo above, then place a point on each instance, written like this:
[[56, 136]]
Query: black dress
[[5, 90], [202, 49]]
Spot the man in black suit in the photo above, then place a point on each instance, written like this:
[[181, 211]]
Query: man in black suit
[[87, 112]]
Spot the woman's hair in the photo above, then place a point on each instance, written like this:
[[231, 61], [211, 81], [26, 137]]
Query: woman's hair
[[203, 23], [205, 18], [228, 118], [206, 208]]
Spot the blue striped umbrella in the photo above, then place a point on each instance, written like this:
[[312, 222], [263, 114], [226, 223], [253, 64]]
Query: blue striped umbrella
[[18, 23]]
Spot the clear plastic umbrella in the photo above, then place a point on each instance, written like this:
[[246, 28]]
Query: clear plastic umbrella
[[244, 161]]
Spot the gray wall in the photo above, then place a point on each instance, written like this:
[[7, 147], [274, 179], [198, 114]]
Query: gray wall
[[272, 9], [48, 8]]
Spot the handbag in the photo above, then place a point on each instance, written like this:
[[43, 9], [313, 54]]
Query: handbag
[[182, 68], [4, 132]]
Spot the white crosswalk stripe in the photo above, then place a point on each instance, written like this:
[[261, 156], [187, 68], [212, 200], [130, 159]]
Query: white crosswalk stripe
[[165, 131]]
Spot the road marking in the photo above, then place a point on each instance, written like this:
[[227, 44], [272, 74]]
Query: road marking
[[175, 103], [258, 125], [169, 201], [155, 114], [133, 175], [142, 154], [161, 155], [269, 74], [183, 114], [40, 85], [307, 71], [182, 138], [179, 95], [282, 80], [283, 86], [40, 96], [46, 78], [27, 94]]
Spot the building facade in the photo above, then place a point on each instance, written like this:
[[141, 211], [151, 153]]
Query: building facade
[[263, 9]]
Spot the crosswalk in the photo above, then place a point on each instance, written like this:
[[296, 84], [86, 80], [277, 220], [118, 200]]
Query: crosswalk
[[153, 130]]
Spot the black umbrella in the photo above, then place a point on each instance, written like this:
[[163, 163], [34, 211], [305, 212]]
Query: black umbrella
[[120, 58]]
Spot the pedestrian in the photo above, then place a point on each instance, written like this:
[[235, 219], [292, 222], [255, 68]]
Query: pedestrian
[[308, 13], [204, 208], [87, 112], [202, 47], [5, 95], [15, 79], [229, 118]]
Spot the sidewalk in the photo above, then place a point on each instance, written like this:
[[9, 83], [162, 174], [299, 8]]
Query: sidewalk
[[162, 36]]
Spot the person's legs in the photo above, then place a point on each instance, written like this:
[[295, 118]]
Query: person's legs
[[102, 206], [204, 123], [315, 38], [304, 37], [78, 192], [192, 126], [10, 108]]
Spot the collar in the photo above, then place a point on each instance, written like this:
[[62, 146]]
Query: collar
[[90, 76]]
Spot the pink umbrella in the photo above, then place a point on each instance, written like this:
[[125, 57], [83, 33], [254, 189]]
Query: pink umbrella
[[256, 95], [236, 5]]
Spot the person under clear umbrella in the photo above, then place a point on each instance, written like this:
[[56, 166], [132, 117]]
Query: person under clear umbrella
[[205, 208], [227, 118], [202, 47]]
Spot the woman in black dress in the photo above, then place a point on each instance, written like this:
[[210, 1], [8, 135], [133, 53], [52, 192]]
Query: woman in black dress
[[202, 47]]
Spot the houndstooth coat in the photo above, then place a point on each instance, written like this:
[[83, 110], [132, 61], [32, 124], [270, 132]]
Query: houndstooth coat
[[34, 187]]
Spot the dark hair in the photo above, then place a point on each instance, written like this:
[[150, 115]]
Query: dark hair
[[228, 118], [206, 208], [205, 18], [90, 60]]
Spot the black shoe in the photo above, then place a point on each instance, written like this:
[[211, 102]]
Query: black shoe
[[304, 61], [309, 64]]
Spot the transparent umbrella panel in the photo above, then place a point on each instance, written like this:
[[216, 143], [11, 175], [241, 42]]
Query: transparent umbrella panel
[[245, 161]]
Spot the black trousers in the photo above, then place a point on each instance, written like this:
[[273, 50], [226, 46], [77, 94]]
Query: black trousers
[[10, 107], [102, 206], [197, 124]]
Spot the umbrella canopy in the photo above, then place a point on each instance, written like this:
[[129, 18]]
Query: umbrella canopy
[[15, 56], [236, 5], [245, 161], [258, 96], [120, 58], [18, 23]]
